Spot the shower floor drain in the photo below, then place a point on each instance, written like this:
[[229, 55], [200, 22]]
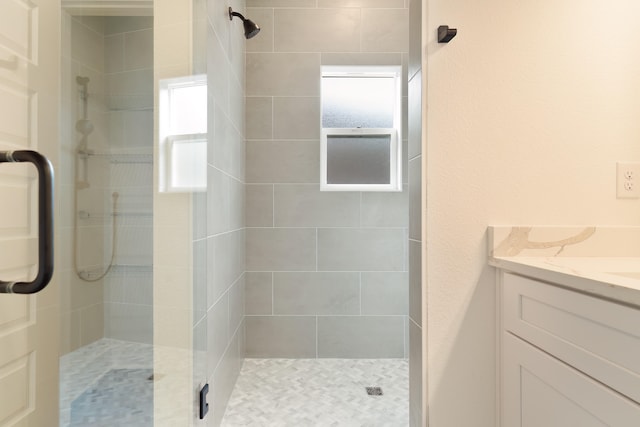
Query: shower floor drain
[[374, 391]]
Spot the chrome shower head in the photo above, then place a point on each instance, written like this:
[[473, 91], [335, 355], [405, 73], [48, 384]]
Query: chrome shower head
[[82, 80], [250, 27]]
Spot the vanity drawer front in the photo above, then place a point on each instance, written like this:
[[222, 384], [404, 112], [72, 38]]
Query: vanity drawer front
[[598, 337]]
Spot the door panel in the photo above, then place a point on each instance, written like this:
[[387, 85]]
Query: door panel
[[29, 80]]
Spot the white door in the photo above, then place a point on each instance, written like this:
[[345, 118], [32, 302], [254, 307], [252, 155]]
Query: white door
[[29, 325]]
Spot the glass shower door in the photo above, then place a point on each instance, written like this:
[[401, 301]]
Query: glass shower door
[[131, 255]]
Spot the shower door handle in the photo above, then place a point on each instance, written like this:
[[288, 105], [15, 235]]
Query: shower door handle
[[45, 222]]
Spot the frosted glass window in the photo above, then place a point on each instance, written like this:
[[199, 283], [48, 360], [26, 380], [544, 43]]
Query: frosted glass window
[[358, 102], [188, 109], [182, 134], [362, 159], [360, 138], [188, 164]]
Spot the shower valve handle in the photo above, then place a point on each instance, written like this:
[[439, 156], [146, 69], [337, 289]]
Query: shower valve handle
[[45, 222]]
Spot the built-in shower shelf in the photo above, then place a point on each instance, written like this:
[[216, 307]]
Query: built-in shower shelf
[[119, 269], [133, 266], [132, 214], [137, 268], [125, 158], [88, 215]]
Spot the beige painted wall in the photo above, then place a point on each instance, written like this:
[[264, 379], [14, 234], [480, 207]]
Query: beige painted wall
[[529, 108]]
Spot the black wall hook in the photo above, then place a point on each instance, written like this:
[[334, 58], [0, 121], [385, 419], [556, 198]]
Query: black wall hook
[[445, 34]]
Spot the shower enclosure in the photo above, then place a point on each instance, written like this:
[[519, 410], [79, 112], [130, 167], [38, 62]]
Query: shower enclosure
[[165, 287]]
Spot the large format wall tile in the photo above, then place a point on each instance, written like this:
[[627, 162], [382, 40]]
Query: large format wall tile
[[224, 379], [259, 293], [217, 73], [385, 30], [218, 332], [124, 24], [361, 58], [415, 115], [385, 293], [114, 53], [415, 198], [226, 254], [415, 36], [361, 249], [226, 148], [125, 322], [259, 212], [137, 51], [259, 110], [415, 374], [237, 204], [283, 74], [415, 282], [307, 206], [280, 336], [317, 30], [283, 161], [382, 209], [264, 18], [281, 249], [236, 304], [218, 201], [296, 117], [86, 45], [316, 293], [361, 336]]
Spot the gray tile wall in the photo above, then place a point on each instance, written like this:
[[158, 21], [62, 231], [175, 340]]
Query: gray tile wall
[[223, 234], [116, 54], [416, 329], [327, 272], [82, 305]]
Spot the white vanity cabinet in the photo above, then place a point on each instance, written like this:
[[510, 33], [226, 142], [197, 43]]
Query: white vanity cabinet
[[568, 359]]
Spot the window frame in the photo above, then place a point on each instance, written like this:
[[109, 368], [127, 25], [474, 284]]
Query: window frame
[[167, 138], [394, 132]]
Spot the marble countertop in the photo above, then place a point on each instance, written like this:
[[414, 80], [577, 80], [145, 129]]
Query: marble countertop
[[607, 277], [602, 261]]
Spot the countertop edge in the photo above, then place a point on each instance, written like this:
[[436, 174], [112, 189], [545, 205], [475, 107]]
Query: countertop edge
[[594, 286]]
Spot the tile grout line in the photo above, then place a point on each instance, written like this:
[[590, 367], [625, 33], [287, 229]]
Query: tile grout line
[[360, 293]]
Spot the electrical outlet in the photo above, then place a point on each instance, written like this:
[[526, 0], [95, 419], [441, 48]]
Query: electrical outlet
[[628, 180]]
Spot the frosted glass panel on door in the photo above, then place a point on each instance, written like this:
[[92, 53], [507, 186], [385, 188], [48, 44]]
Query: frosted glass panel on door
[[358, 159], [358, 102]]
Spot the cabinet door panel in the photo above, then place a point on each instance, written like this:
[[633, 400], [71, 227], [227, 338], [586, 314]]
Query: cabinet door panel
[[539, 390], [543, 405], [596, 336]]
